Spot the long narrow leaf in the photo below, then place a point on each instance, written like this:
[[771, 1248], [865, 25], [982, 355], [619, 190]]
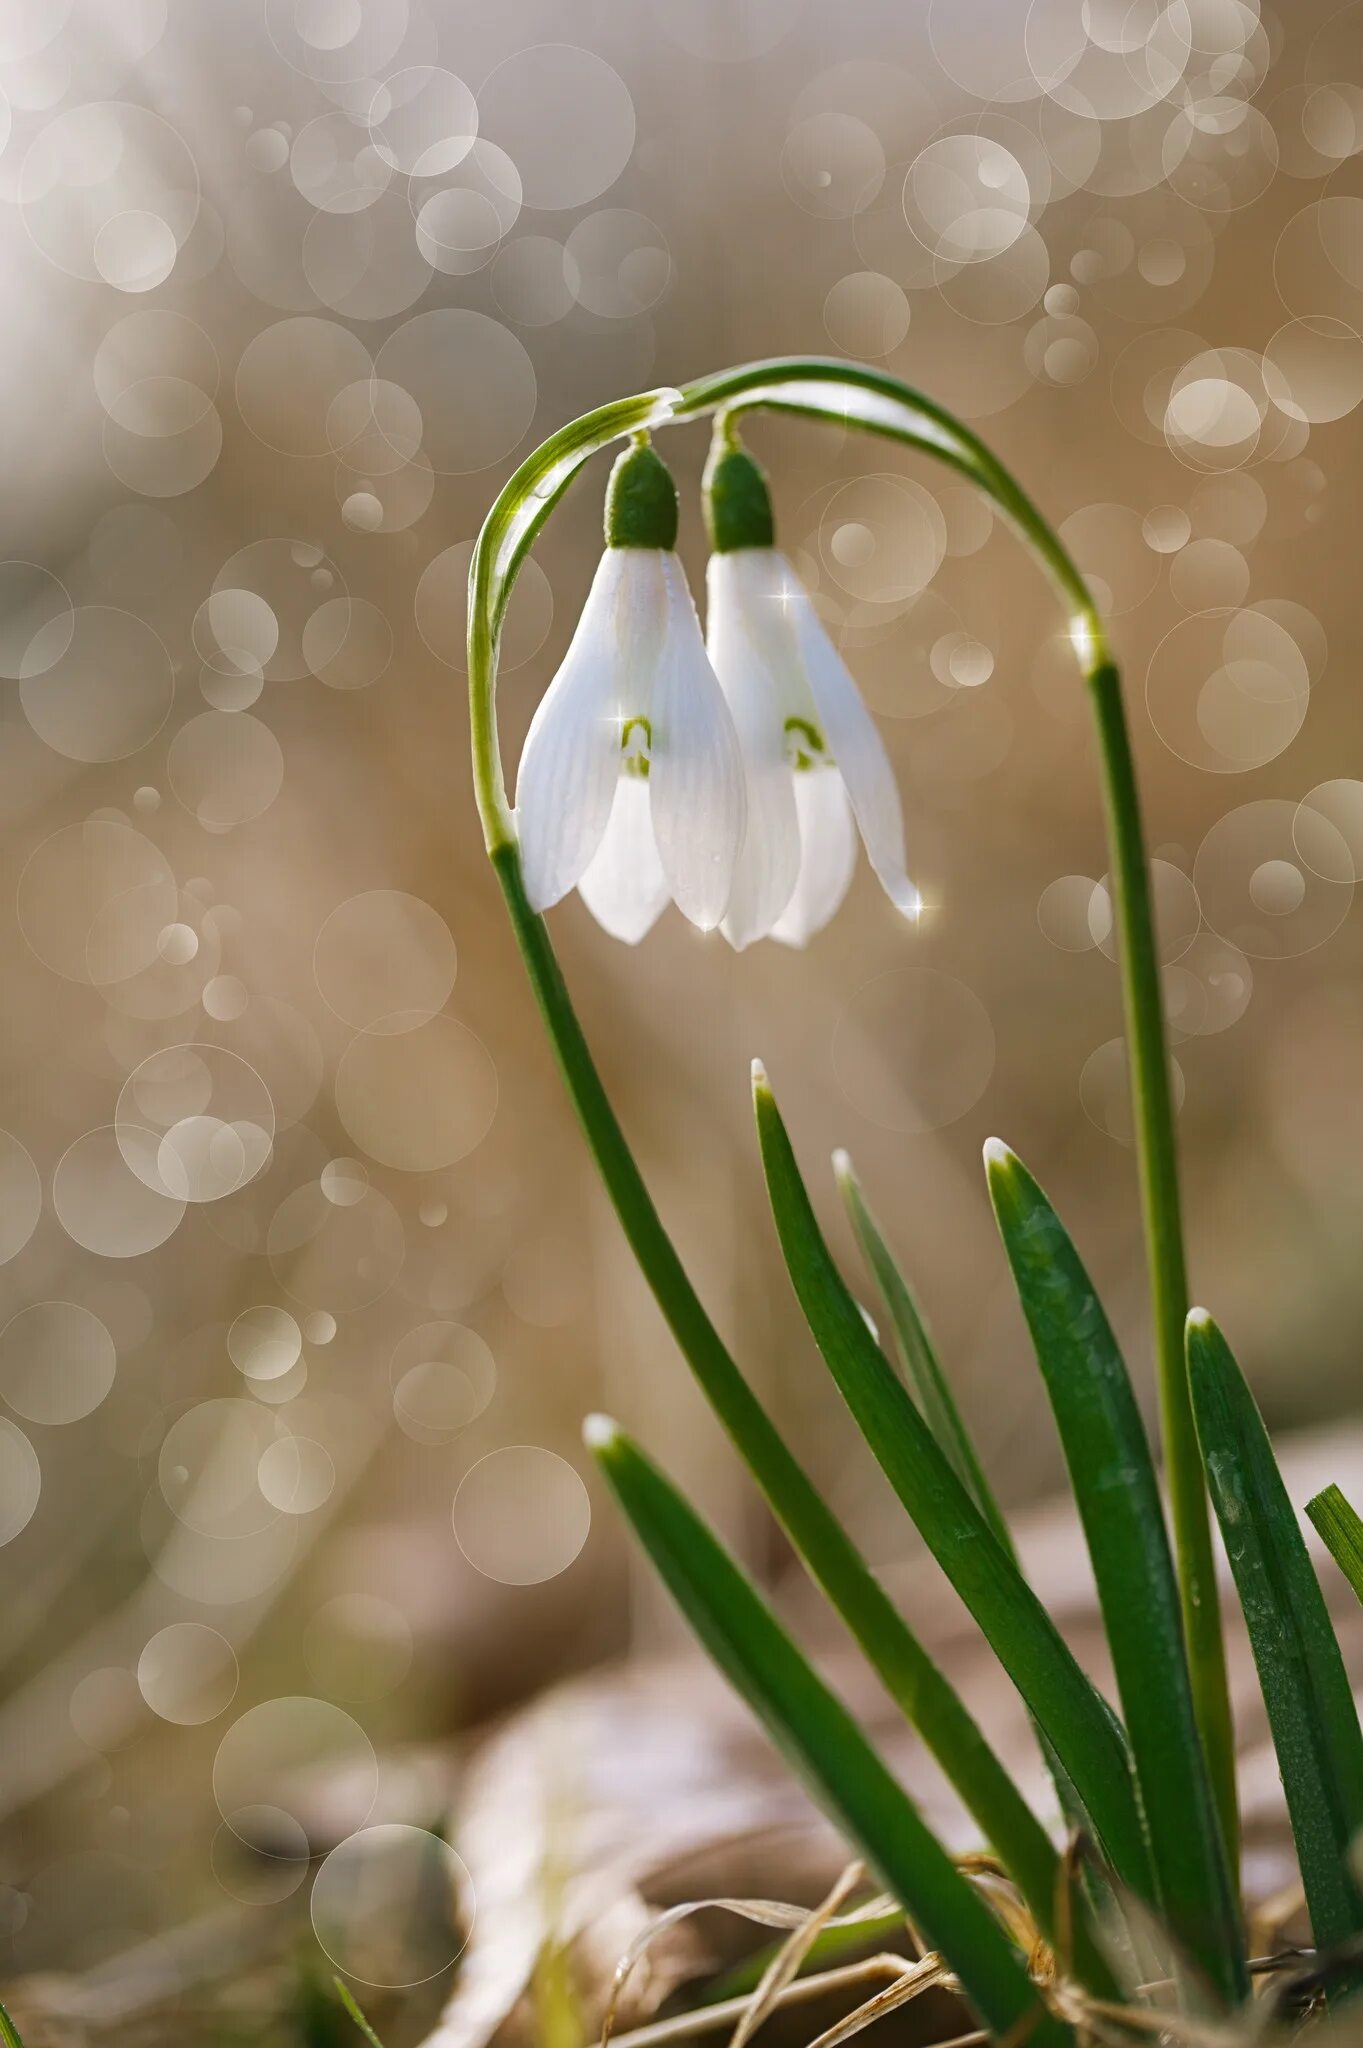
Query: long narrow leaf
[[1310, 1706], [1062, 1700], [1341, 1531], [917, 1354], [923, 1373], [835, 1564], [821, 1741], [1113, 1477], [351, 2004]]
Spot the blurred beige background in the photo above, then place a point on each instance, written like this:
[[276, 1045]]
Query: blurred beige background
[[298, 1231]]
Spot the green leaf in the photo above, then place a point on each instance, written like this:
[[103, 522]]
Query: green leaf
[[9, 2033], [1341, 1531], [1113, 1477], [922, 1372], [347, 1999], [1310, 1705], [909, 1675], [822, 1742], [1062, 1700], [916, 1353]]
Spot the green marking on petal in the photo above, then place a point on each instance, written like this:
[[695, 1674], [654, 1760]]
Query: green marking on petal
[[806, 746], [636, 744]]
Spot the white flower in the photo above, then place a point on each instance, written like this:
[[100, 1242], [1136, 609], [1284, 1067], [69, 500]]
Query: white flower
[[631, 785], [817, 769]]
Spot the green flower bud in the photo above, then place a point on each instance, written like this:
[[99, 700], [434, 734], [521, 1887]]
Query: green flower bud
[[641, 500], [737, 502]]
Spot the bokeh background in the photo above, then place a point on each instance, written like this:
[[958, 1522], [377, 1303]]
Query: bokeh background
[[307, 1282]]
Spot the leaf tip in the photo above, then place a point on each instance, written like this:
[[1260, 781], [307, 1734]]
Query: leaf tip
[[600, 1433], [998, 1157], [843, 1171], [1207, 1353], [759, 1076]]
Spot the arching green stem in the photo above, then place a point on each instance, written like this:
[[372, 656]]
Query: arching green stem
[[852, 396]]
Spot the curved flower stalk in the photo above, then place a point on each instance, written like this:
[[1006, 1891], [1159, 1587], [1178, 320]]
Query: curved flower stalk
[[853, 396]]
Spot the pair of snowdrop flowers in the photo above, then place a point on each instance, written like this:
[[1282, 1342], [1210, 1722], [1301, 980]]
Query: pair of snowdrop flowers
[[729, 773]]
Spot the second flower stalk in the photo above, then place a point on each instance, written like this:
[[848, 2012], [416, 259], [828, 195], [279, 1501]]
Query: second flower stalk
[[730, 773]]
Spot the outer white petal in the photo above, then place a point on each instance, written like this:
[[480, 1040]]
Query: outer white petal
[[696, 778], [740, 591], [856, 747], [625, 888], [828, 856], [571, 759]]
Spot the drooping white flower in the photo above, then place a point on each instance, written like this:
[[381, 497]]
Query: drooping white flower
[[817, 770], [631, 785]]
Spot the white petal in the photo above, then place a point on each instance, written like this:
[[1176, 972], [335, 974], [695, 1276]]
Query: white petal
[[571, 759], [696, 778], [737, 645], [828, 856], [625, 888], [856, 748]]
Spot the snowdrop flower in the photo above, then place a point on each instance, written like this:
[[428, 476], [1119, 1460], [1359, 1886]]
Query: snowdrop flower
[[817, 770], [631, 785]]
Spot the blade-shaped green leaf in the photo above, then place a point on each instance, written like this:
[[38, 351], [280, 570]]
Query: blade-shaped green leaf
[[349, 2001], [904, 1667], [821, 1741], [1341, 1531], [916, 1351], [922, 1371], [1113, 1476], [1062, 1700], [9, 2033], [1310, 1706]]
